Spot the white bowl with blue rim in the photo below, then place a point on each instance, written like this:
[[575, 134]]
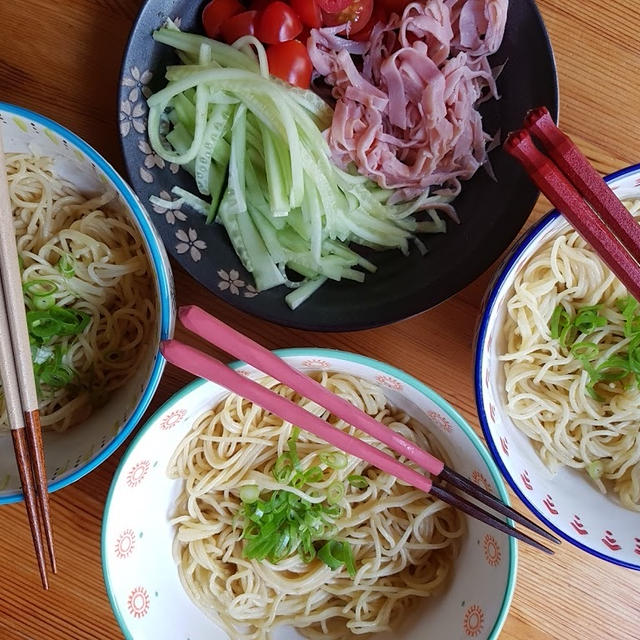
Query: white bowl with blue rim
[[74, 453], [139, 571], [566, 501]]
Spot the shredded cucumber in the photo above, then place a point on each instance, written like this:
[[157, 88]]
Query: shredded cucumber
[[255, 148]]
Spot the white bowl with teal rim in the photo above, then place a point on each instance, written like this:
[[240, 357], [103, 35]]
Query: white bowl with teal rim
[[74, 453], [142, 579], [566, 501]]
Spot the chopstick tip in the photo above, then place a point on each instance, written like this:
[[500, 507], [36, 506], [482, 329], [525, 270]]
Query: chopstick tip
[[534, 115], [185, 311], [515, 139]]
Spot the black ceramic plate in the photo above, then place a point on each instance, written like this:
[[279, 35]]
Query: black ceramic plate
[[491, 213]]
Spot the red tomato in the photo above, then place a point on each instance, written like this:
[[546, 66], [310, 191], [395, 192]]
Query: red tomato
[[378, 15], [216, 13], [333, 6], [357, 14], [278, 23], [393, 6], [290, 62], [242, 24], [309, 12]]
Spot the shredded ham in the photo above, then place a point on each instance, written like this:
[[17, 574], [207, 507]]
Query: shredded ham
[[407, 116]]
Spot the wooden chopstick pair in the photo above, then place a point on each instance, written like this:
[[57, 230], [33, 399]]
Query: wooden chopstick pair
[[18, 385], [243, 348], [578, 191]]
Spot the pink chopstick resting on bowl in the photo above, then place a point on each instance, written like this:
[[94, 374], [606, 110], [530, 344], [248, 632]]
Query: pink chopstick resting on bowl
[[242, 347]]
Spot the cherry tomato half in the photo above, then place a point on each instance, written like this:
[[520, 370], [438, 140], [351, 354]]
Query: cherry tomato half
[[357, 14], [290, 62], [278, 23], [242, 24], [309, 12], [216, 13], [378, 15]]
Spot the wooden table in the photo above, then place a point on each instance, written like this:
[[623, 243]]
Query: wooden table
[[61, 58]]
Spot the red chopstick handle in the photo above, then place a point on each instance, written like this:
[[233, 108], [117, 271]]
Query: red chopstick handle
[[584, 178], [564, 197]]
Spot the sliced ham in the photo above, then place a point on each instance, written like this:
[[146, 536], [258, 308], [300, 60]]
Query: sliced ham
[[406, 114]]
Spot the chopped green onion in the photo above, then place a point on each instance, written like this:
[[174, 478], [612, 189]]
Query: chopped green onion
[[42, 325], [313, 474], [584, 350], [560, 319], [336, 554], [283, 470], [249, 493], [614, 368], [334, 511], [334, 459], [588, 319], [595, 469], [72, 321], [634, 355], [54, 375], [42, 303], [293, 450], [40, 287], [335, 492], [359, 482], [67, 265]]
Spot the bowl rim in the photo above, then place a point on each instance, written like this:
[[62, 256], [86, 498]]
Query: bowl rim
[[164, 275], [314, 352], [503, 274]]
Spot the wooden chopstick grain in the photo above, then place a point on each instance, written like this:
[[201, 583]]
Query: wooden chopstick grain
[[15, 417], [15, 329]]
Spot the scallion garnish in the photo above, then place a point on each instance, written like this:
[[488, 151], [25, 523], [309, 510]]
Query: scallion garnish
[[588, 319], [584, 350], [40, 287], [336, 553], [335, 492], [619, 366], [595, 469], [249, 493], [280, 523], [67, 265], [42, 303], [334, 459], [359, 482]]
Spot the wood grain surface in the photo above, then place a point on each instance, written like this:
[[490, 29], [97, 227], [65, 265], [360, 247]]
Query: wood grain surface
[[61, 58]]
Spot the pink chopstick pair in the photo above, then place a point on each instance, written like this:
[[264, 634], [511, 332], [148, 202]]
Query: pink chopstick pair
[[578, 191], [240, 346]]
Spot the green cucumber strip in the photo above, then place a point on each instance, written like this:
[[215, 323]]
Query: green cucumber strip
[[303, 292]]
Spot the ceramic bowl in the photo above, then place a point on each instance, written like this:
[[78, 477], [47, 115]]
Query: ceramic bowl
[[491, 211], [74, 453], [567, 502], [142, 579]]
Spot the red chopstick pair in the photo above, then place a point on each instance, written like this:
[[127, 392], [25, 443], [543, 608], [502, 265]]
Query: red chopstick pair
[[578, 191]]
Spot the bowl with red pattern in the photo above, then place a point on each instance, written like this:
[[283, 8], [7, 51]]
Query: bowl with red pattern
[[566, 500], [141, 576]]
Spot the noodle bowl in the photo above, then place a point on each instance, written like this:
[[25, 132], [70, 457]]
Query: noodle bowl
[[577, 397], [81, 258], [404, 542]]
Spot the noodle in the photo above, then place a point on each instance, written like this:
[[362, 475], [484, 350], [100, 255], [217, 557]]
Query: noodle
[[404, 541], [548, 394], [107, 280]]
